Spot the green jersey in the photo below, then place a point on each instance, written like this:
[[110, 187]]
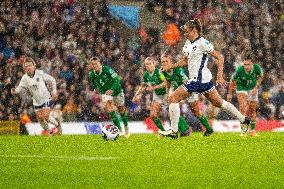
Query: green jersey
[[106, 80], [155, 79], [247, 81], [176, 77]]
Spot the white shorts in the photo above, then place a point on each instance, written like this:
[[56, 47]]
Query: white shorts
[[45, 105], [249, 95], [192, 98], [119, 100], [161, 99]]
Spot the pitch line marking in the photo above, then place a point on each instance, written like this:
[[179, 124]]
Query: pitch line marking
[[86, 158]]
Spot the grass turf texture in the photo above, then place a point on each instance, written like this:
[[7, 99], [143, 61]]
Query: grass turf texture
[[143, 161]]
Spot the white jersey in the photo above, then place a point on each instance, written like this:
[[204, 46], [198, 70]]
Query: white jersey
[[37, 86], [197, 53]]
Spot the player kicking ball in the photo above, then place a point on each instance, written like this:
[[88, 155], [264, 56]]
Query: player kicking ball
[[196, 52], [247, 80], [103, 79], [154, 81], [36, 83], [175, 78]]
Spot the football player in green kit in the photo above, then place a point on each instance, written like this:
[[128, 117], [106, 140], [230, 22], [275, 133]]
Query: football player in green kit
[[154, 81], [247, 80], [176, 78], [103, 79]]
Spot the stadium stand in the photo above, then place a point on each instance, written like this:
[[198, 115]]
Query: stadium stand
[[62, 35]]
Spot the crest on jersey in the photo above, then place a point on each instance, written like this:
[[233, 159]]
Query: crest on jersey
[[194, 48], [37, 79]]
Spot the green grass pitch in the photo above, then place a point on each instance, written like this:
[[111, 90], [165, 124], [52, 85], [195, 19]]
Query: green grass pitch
[[143, 161]]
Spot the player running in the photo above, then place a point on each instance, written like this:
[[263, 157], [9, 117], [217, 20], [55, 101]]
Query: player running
[[247, 80], [154, 81], [196, 51], [36, 82], [107, 83], [176, 78]]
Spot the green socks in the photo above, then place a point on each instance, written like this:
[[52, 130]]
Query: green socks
[[205, 122], [158, 123], [124, 118], [182, 125], [115, 119], [252, 125]]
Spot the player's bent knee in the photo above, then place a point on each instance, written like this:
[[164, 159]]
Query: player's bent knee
[[217, 103], [121, 109], [109, 106], [172, 99]]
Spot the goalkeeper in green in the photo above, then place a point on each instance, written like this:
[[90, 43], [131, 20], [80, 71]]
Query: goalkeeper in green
[[247, 80], [104, 80]]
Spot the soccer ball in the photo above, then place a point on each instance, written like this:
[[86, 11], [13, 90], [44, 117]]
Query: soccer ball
[[110, 131]]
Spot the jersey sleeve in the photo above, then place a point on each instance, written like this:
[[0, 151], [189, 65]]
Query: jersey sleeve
[[49, 79], [259, 70], [181, 73], [22, 85], [185, 49], [207, 46], [145, 78], [162, 76], [234, 77], [114, 76], [111, 73], [236, 74]]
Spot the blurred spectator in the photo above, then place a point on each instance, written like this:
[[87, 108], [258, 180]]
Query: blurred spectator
[[66, 74], [70, 110], [62, 35]]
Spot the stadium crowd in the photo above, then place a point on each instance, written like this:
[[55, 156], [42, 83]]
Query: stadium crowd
[[63, 35]]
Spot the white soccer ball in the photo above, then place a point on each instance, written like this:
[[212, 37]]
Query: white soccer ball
[[110, 131]]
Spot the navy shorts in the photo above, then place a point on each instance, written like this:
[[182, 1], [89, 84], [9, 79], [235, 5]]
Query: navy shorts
[[47, 104], [197, 87]]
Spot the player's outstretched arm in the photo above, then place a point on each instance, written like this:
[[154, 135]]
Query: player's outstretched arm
[[22, 86], [258, 82], [51, 81], [232, 86], [220, 63], [138, 93], [181, 63], [164, 84]]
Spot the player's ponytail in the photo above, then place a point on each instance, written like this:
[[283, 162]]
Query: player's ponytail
[[198, 26], [195, 23]]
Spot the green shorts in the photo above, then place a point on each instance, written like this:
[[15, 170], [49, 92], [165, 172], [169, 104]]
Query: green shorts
[[118, 100]]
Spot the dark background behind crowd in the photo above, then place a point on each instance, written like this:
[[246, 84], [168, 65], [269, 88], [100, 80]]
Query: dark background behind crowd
[[62, 35]]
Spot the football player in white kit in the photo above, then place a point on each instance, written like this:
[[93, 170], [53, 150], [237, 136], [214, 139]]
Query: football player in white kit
[[36, 82], [195, 55]]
